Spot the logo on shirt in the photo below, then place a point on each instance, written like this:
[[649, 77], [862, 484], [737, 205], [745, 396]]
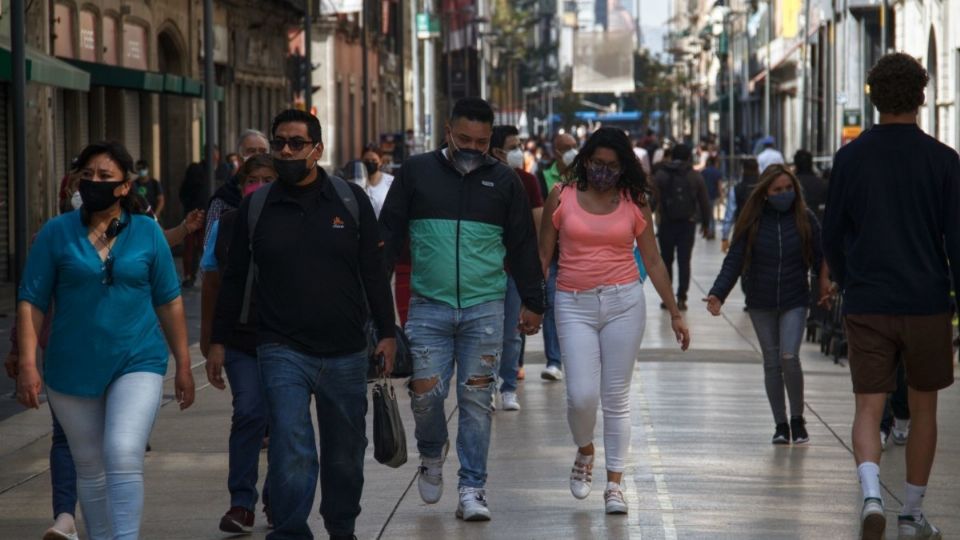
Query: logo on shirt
[[337, 222], [487, 183]]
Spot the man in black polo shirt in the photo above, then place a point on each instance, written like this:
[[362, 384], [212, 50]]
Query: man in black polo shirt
[[891, 225], [311, 257]]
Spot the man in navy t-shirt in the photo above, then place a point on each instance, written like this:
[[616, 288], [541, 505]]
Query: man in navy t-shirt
[[891, 235]]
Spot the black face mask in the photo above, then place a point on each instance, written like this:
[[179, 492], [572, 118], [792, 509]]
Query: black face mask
[[98, 196], [291, 171], [371, 167], [466, 161]]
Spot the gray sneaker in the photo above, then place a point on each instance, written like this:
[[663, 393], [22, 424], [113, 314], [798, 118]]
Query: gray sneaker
[[911, 529], [473, 505], [872, 520], [430, 479]]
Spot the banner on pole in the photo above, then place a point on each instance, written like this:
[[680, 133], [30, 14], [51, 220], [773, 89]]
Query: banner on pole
[[603, 62]]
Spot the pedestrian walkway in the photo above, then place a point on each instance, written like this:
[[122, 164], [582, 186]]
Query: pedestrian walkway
[[701, 462]]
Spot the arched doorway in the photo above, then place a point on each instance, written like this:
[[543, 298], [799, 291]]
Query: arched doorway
[[175, 132], [933, 122]]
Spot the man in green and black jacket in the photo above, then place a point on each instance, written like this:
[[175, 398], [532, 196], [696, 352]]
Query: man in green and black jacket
[[465, 214]]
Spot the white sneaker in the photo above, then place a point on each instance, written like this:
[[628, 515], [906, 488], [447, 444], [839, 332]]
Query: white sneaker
[[493, 401], [64, 528], [510, 402], [613, 499], [551, 373], [581, 476], [909, 528], [872, 520], [901, 431], [473, 505], [430, 479]]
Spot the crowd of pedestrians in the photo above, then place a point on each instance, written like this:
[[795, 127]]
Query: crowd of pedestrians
[[477, 245]]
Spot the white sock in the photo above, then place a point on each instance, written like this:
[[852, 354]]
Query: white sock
[[913, 502], [870, 480], [65, 523], [901, 424]]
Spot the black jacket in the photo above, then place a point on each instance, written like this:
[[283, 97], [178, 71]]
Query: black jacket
[[311, 257], [778, 277]]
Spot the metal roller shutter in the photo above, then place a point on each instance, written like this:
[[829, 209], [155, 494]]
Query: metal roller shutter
[[5, 202], [131, 123], [59, 139]]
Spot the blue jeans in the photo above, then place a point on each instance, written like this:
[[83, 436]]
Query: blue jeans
[[441, 338], [551, 341], [780, 334], [512, 339], [339, 386], [248, 426], [63, 475], [107, 436]]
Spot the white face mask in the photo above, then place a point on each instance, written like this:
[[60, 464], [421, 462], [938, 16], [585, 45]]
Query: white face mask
[[515, 158], [569, 156], [76, 201]]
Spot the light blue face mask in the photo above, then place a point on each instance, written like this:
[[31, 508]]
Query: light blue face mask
[[782, 202]]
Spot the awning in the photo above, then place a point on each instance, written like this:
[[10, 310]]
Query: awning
[[44, 69], [144, 81], [172, 84], [120, 77]]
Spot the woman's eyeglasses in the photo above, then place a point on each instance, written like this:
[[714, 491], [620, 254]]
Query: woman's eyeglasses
[[295, 144], [108, 270]]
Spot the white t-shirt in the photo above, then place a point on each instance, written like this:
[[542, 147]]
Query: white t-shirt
[[644, 158], [378, 193]]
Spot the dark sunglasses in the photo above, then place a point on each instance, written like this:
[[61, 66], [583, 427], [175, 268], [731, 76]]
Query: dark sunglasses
[[108, 270], [295, 144]]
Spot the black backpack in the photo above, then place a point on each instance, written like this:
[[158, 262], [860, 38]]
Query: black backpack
[[678, 198]]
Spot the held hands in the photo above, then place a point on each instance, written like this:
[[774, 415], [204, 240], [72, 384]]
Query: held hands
[[529, 322], [387, 350], [713, 305], [828, 293]]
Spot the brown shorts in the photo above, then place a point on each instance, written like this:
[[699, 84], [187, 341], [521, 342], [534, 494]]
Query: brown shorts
[[877, 343]]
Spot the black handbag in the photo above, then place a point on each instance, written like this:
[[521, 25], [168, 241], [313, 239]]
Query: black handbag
[[389, 437]]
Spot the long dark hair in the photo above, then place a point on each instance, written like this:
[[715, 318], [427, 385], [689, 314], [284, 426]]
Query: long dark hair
[[632, 178], [748, 223], [119, 155]]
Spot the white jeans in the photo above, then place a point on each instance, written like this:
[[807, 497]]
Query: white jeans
[[107, 437], [600, 333]]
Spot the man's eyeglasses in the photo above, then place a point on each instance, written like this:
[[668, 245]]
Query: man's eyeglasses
[[108, 270], [295, 144]]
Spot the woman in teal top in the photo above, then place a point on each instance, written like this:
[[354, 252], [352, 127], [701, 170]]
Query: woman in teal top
[[111, 274]]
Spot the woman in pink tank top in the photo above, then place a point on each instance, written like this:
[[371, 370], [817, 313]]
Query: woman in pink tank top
[[598, 215]]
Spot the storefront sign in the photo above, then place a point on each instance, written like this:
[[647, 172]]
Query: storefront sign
[[134, 46], [88, 36]]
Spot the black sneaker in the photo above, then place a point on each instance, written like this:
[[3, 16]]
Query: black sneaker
[[782, 435], [682, 304], [799, 430]]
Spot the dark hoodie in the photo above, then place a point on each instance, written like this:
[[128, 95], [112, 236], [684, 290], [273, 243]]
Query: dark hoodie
[[229, 193], [663, 182]]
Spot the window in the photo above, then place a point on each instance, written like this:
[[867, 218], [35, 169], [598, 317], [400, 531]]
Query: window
[[134, 46], [63, 35], [88, 36], [110, 55]]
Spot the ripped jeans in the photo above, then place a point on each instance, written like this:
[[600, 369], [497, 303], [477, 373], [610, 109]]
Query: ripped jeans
[[780, 334], [471, 339]]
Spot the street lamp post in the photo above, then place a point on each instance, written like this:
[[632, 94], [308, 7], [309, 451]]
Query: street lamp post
[[767, 83], [209, 81]]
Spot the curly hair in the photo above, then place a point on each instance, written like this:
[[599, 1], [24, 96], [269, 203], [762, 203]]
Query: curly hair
[[897, 82], [632, 179]]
